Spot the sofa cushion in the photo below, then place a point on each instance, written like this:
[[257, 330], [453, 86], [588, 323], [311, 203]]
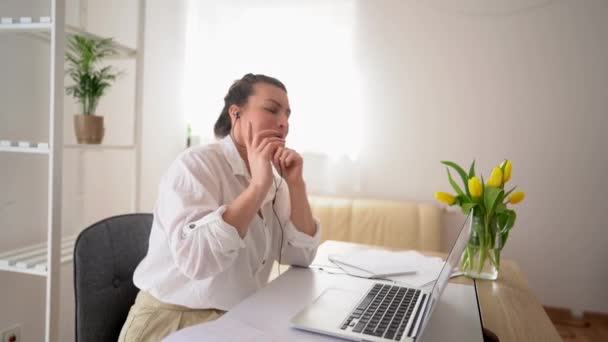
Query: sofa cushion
[[396, 224]]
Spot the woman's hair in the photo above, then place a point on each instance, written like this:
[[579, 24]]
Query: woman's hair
[[237, 95]]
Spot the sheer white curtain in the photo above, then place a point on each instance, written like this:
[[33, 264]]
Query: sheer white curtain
[[308, 45]]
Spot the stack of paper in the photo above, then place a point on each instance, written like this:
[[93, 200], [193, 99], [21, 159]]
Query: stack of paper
[[428, 269], [408, 267], [374, 263]]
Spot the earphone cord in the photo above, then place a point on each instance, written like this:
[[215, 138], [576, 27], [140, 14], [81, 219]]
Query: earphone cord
[[276, 191], [232, 133]]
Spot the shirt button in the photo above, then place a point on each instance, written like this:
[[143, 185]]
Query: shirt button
[[192, 226]]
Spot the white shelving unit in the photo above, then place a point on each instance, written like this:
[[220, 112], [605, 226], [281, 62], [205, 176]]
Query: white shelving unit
[[45, 259], [99, 147], [28, 27], [21, 149], [33, 259], [122, 50]]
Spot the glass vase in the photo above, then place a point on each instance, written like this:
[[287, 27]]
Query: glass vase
[[481, 257]]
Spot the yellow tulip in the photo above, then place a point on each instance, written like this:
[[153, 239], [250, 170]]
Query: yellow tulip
[[445, 197], [495, 178], [516, 197], [475, 187], [507, 174]]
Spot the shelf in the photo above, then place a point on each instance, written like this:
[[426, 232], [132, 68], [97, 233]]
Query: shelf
[[36, 150], [24, 147], [33, 259], [32, 27], [42, 30], [25, 24], [99, 147], [124, 52], [43, 148]]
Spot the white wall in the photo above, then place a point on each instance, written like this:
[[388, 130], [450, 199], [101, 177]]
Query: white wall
[[164, 128], [532, 87]]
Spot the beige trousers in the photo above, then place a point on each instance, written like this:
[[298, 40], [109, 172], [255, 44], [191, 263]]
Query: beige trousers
[[151, 320]]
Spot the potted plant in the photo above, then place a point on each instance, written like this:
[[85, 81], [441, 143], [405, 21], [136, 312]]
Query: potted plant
[[84, 55]]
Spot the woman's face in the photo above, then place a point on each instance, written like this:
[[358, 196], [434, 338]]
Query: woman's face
[[266, 108]]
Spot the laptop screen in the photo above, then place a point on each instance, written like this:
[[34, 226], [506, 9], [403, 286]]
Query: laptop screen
[[450, 264]]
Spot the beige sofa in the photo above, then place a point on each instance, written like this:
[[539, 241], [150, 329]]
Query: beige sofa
[[398, 224]]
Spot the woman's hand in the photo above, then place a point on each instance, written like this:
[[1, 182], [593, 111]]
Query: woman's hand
[[290, 164], [260, 149]]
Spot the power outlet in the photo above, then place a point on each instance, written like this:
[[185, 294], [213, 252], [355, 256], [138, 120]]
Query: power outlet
[[11, 335]]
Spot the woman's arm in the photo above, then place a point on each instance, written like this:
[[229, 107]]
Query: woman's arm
[[301, 214], [301, 235], [291, 164], [243, 209]]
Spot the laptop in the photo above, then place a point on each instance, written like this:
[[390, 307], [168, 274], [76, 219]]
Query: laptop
[[381, 312]]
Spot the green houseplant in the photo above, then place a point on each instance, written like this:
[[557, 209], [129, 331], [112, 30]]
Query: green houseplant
[[492, 219], [84, 55]]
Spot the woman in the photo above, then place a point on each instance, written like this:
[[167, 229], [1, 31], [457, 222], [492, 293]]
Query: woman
[[222, 217]]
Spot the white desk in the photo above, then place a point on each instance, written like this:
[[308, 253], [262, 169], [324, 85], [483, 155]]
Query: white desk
[[265, 315]]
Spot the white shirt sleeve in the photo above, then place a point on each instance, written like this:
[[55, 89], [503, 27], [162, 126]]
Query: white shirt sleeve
[[202, 244], [299, 248]]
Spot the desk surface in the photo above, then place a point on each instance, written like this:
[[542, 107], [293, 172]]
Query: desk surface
[[509, 309]]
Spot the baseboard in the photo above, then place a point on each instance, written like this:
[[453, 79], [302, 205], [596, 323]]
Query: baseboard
[[564, 316]]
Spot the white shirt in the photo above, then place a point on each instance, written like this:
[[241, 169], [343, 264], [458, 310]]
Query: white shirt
[[196, 259]]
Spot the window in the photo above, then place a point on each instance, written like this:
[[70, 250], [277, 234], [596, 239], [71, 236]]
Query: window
[[308, 45]]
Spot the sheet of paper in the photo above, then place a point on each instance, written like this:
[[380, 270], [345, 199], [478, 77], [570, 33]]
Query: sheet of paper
[[379, 262], [353, 271], [425, 268], [428, 269]]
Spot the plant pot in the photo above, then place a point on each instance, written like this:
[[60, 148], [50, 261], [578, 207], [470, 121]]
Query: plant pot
[[89, 129]]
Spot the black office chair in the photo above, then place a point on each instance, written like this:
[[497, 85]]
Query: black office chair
[[105, 257]]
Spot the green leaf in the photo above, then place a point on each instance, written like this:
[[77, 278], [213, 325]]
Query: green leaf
[[83, 54], [497, 257], [466, 207], [490, 197], [509, 192], [502, 220], [511, 216], [454, 185], [460, 171], [460, 199], [500, 207], [482, 259], [472, 170]]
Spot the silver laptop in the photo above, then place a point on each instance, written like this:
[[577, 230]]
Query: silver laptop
[[382, 312]]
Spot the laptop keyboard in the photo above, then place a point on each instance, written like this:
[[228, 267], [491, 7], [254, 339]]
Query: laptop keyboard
[[384, 312]]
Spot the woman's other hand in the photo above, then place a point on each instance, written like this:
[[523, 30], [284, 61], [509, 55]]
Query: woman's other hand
[[290, 164]]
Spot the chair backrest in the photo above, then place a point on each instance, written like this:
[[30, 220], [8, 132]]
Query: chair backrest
[[105, 257]]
